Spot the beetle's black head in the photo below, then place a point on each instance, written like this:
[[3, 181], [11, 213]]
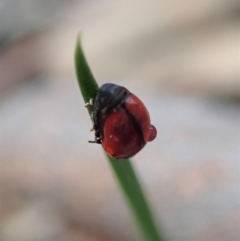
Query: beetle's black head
[[110, 96]]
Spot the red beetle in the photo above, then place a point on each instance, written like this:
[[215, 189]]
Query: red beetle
[[121, 121]]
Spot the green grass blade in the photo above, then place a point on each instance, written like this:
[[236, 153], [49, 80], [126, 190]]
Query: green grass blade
[[123, 169], [86, 81], [133, 192]]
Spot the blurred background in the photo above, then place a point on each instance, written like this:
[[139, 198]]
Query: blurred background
[[180, 57]]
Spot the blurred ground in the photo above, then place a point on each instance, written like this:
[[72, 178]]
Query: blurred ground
[[180, 57]]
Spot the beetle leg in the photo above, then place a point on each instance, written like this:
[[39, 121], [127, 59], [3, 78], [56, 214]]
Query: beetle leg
[[89, 106], [91, 141], [97, 140]]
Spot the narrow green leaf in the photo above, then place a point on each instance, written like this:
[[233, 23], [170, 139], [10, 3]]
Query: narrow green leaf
[[123, 169], [133, 192], [86, 81]]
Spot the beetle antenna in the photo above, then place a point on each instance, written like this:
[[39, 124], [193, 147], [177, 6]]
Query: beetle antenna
[[91, 141]]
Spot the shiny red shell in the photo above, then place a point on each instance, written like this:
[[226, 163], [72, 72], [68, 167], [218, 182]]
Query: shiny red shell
[[121, 121]]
